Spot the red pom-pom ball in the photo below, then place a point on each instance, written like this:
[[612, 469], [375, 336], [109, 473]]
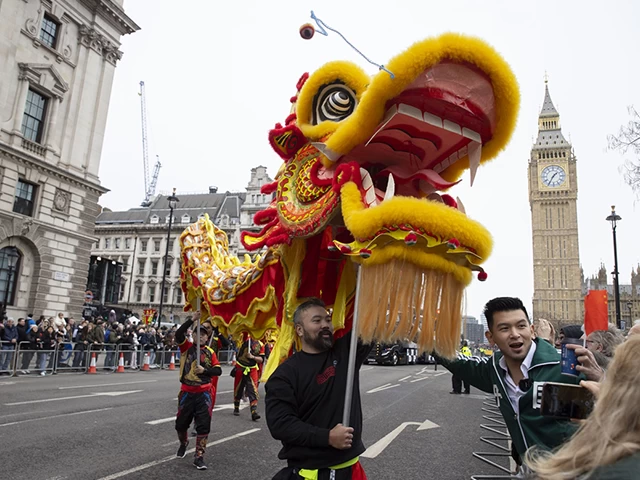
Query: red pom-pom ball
[[307, 31], [411, 239], [482, 276]]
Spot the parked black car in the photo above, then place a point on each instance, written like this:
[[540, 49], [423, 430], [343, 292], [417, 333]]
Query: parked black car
[[394, 354]]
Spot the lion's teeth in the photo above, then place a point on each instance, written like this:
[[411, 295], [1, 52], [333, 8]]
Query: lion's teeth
[[367, 186], [475, 153], [391, 188]]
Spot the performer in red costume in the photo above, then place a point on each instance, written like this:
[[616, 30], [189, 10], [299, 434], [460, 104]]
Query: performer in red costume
[[248, 361]]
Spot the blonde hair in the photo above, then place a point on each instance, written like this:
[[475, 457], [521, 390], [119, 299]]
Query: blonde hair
[[611, 432]]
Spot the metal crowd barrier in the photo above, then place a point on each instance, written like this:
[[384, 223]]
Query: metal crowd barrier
[[496, 426], [69, 357]]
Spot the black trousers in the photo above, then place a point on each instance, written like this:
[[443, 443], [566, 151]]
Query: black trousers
[[456, 383], [194, 405]]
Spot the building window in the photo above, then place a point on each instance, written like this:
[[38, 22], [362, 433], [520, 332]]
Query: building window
[[138, 293], [154, 219], [116, 243], [141, 267], [9, 267], [178, 295], [186, 219], [156, 246], [154, 268], [167, 270], [25, 198], [127, 243], [107, 243], [165, 295], [49, 31], [171, 245], [122, 288], [125, 264], [143, 245], [152, 293], [33, 118]]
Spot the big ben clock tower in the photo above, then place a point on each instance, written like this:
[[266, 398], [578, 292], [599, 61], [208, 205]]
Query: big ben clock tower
[[553, 194]]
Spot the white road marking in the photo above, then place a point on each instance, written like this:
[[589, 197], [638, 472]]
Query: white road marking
[[386, 386], [7, 383], [173, 457], [419, 379], [55, 416], [404, 378], [226, 391], [377, 448], [215, 409], [97, 394], [365, 369], [441, 373], [107, 384]]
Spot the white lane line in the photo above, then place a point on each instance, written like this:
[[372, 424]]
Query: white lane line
[[419, 379], [386, 386], [97, 394], [441, 373], [226, 391], [215, 409], [173, 457], [55, 416], [107, 384], [7, 383], [364, 369], [404, 378]]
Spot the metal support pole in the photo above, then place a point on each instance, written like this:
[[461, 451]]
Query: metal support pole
[[351, 370], [164, 268], [198, 333], [616, 284]]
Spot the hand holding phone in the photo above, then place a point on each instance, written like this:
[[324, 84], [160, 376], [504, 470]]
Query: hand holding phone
[[561, 400]]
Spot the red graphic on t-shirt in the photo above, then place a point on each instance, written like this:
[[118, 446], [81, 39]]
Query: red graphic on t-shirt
[[326, 375]]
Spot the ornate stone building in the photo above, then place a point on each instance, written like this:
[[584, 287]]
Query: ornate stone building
[[58, 61], [137, 239], [629, 295], [553, 196]]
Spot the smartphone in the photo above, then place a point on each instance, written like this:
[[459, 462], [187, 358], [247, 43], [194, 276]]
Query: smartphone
[[562, 400]]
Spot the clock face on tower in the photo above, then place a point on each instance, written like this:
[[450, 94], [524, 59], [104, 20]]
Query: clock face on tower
[[553, 176]]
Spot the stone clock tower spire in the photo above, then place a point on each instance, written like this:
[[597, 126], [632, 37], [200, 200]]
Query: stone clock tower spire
[[553, 195]]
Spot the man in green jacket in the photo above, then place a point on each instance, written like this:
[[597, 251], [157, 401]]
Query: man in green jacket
[[515, 376]]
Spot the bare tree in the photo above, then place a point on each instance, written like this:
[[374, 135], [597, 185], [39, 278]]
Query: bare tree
[[628, 138]]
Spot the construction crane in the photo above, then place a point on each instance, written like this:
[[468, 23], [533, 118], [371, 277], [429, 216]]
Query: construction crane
[[149, 184]]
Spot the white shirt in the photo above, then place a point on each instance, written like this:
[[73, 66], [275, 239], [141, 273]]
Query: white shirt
[[513, 390]]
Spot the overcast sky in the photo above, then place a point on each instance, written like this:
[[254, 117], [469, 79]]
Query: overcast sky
[[219, 75]]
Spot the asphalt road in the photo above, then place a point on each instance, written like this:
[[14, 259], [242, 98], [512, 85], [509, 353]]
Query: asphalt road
[[111, 426]]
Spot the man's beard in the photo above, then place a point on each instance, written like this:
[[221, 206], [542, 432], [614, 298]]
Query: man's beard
[[320, 342]]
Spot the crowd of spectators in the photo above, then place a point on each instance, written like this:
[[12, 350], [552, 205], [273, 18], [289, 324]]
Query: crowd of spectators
[[51, 344]]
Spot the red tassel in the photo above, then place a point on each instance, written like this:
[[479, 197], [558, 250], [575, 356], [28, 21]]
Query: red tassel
[[482, 276]]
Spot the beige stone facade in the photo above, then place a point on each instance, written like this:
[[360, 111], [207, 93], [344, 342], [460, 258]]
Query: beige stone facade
[[553, 196], [137, 239], [58, 61]]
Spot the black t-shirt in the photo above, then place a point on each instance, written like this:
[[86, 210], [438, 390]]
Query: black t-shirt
[[305, 400]]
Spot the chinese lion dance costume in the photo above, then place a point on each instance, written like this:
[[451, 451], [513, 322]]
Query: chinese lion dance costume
[[366, 164]]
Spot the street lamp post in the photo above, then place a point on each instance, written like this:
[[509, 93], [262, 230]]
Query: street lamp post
[[629, 307], [173, 200], [614, 218], [12, 259]]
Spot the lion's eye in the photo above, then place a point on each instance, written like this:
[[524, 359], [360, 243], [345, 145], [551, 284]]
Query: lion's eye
[[333, 102]]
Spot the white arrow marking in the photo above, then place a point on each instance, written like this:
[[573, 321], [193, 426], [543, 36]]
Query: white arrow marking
[[55, 416], [386, 386], [100, 394], [173, 457], [419, 379], [377, 448], [215, 409]]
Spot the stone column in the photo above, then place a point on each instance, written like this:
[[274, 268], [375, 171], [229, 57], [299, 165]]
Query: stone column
[[23, 89], [52, 130]]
